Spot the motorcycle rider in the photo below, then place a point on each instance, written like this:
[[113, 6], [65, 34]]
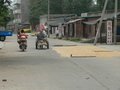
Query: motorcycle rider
[[18, 32], [40, 36], [20, 36], [44, 32]]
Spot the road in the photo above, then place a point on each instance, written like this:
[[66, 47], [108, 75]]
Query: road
[[47, 70]]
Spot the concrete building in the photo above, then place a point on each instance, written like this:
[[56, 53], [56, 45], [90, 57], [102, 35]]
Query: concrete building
[[21, 12], [55, 20]]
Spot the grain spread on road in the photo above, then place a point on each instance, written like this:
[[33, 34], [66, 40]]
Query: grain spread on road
[[85, 51]]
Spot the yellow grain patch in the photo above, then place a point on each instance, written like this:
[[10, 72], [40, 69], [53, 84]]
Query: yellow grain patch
[[67, 51]]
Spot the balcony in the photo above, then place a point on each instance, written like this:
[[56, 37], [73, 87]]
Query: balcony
[[17, 21], [17, 11], [17, 2]]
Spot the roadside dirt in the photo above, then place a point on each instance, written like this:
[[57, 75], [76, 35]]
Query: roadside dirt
[[85, 51]]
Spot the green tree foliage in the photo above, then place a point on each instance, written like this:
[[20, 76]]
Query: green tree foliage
[[100, 4], [77, 6], [56, 6], [40, 7], [37, 8], [4, 12]]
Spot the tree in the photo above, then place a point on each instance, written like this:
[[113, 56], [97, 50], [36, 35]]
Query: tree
[[37, 8], [40, 7], [56, 6], [77, 6], [100, 4], [4, 12]]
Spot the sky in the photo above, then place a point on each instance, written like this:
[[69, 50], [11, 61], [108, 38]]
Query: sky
[[94, 1]]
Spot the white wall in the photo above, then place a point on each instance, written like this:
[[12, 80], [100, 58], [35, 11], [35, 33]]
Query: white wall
[[43, 21]]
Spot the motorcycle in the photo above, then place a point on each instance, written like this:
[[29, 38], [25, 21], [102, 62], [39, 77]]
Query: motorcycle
[[41, 43], [23, 43]]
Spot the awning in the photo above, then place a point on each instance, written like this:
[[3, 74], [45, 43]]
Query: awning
[[72, 21], [56, 23], [106, 16], [92, 22], [110, 16]]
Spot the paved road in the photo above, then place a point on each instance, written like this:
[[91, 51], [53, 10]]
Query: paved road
[[46, 70], [1, 44]]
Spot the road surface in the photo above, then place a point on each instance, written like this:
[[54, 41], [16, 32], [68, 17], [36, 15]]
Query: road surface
[[46, 70]]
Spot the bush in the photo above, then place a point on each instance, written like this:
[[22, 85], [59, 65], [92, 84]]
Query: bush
[[75, 39]]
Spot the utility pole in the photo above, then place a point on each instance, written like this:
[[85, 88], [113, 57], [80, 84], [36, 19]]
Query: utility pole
[[48, 18], [16, 26], [98, 29], [115, 21]]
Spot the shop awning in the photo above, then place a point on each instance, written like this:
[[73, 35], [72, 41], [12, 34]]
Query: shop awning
[[56, 23], [72, 21], [106, 16], [92, 22]]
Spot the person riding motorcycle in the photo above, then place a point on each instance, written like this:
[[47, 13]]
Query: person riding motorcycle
[[18, 32], [40, 36], [44, 32], [21, 36]]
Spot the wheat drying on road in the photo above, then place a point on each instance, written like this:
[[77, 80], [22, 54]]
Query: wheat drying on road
[[85, 51]]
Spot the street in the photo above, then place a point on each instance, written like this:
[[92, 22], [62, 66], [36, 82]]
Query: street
[[46, 70]]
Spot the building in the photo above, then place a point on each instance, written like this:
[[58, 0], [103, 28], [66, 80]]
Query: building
[[86, 26], [91, 21], [72, 28], [21, 13], [55, 20]]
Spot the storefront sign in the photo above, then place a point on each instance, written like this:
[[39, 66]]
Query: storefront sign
[[109, 32]]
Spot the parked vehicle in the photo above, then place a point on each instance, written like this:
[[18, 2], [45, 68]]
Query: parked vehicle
[[23, 43], [3, 34], [42, 43]]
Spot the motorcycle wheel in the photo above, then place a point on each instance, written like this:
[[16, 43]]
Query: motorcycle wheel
[[47, 45], [41, 46], [23, 47], [36, 46]]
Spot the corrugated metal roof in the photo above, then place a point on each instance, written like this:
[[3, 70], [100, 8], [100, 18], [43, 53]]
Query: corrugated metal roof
[[72, 21], [92, 22], [56, 23], [106, 16]]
